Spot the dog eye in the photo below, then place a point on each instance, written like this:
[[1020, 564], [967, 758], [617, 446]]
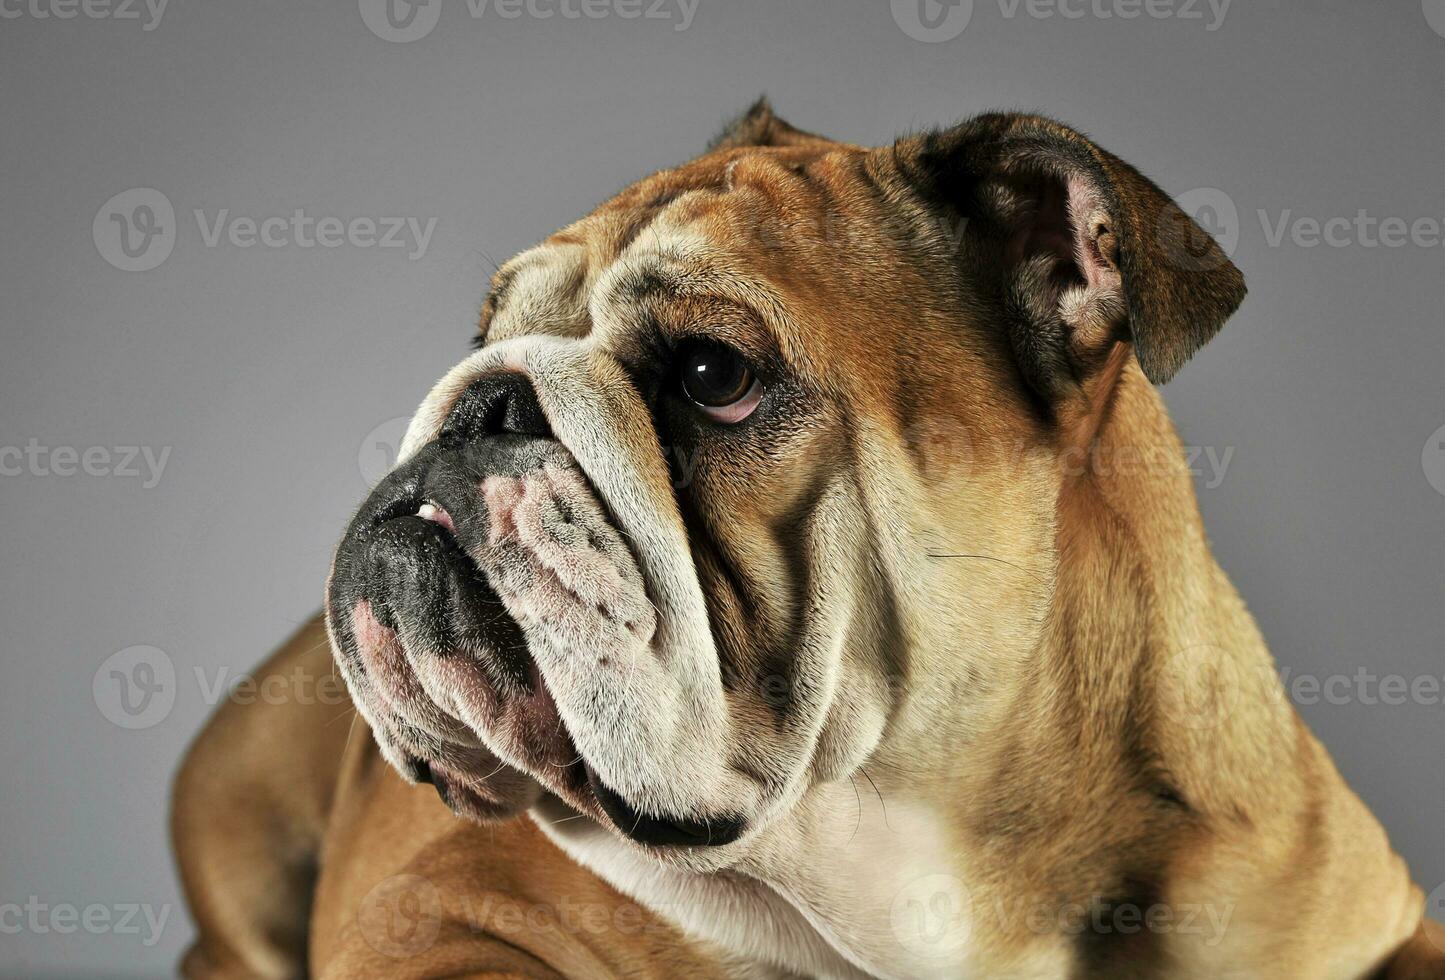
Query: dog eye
[[718, 380]]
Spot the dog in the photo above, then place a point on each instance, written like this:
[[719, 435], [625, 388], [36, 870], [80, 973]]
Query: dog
[[802, 578]]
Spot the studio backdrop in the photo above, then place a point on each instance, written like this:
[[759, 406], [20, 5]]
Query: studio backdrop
[[241, 241]]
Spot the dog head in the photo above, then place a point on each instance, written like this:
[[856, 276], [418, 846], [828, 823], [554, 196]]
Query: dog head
[[690, 532]]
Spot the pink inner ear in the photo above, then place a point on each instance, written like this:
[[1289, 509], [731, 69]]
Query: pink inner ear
[[1044, 227], [1056, 249], [1087, 216], [1061, 221]]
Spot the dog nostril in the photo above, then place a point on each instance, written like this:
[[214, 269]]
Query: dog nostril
[[498, 404]]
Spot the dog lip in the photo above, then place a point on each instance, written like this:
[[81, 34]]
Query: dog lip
[[411, 490], [662, 832], [573, 773], [431, 506]]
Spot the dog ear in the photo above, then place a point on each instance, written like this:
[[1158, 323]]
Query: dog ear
[[1085, 250], [760, 127]]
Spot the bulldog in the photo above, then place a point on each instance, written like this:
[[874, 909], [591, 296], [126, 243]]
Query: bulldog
[[803, 578]]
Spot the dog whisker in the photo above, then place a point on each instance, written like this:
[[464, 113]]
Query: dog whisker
[[853, 780], [1001, 561], [881, 801]]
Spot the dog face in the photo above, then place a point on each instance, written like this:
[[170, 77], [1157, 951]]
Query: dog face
[[753, 476]]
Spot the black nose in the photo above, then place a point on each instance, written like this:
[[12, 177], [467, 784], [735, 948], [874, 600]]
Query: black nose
[[496, 405]]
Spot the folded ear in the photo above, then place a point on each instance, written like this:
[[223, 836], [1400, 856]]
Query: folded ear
[[760, 127], [1084, 250]]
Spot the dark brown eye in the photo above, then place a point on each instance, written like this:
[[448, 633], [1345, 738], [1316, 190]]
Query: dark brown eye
[[718, 380]]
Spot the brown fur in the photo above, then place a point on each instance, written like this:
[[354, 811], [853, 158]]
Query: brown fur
[[287, 823], [1071, 778]]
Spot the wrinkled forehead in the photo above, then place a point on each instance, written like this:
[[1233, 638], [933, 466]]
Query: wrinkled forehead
[[738, 237], [799, 257]]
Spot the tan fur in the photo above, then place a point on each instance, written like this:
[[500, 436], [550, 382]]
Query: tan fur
[[1050, 681], [271, 780]]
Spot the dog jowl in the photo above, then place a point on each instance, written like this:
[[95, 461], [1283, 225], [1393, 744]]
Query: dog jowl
[[870, 361], [483, 589]]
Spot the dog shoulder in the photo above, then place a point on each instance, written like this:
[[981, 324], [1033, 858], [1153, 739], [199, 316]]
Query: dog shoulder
[[407, 882], [250, 805]]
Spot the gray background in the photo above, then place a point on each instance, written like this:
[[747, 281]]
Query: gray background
[[266, 370]]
